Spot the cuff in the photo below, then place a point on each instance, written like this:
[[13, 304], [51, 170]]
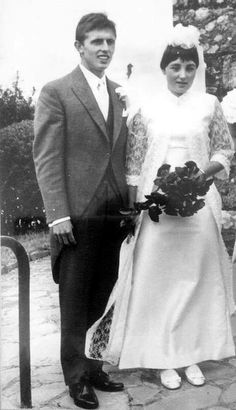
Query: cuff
[[58, 221], [132, 180], [224, 173]]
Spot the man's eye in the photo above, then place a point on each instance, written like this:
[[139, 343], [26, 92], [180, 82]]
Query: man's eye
[[110, 42]]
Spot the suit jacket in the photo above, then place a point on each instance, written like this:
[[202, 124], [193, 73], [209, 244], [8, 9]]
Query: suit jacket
[[72, 149]]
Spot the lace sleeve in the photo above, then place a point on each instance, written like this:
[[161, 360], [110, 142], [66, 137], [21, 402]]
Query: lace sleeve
[[221, 143], [136, 148]]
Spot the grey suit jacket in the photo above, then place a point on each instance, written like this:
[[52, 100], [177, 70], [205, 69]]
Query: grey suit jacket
[[71, 147]]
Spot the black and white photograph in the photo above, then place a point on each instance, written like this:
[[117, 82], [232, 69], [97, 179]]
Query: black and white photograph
[[118, 204]]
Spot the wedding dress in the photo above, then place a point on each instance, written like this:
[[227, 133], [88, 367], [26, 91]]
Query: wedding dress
[[172, 302]]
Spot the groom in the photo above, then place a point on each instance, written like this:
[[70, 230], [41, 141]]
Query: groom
[[79, 153]]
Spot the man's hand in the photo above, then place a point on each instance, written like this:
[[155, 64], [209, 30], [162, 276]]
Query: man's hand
[[132, 226], [64, 233]]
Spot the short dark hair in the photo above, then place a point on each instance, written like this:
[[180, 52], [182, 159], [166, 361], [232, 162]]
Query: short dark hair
[[172, 53], [93, 21]]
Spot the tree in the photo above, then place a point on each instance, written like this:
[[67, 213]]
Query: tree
[[14, 107]]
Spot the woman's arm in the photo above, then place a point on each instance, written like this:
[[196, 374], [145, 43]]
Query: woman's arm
[[212, 169], [221, 145], [136, 151]]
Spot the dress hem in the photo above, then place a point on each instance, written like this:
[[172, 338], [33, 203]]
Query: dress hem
[[180, 365]]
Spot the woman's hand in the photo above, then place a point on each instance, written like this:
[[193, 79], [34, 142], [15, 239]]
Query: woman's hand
[[201, 176]]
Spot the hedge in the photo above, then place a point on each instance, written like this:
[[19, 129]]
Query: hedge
[[21, 202]]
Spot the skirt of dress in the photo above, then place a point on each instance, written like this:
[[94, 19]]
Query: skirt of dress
[[177, 313]]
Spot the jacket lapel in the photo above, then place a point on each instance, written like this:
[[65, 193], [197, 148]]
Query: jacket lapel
[[117, 110], [84, 93]]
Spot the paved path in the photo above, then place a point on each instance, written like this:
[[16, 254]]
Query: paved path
[[143, 389]]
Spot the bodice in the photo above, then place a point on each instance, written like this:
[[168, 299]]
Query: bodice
[[177, 151]]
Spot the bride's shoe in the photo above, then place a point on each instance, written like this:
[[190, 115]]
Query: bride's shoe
[[194, 375], [170, 379]]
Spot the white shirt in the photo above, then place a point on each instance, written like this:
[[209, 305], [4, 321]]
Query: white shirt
[[99, 89]]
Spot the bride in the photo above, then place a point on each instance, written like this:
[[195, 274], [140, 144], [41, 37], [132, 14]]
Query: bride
[[171, 305]]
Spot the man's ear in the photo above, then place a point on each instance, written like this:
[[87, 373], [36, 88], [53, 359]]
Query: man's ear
[[164, 71], [78, 46]]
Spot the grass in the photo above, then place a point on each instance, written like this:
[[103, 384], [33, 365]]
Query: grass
[[30, 241]]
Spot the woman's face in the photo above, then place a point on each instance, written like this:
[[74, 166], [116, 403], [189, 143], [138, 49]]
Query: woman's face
[[180, 75]]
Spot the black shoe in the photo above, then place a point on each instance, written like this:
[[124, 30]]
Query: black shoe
[[83, 394], [101, 381]]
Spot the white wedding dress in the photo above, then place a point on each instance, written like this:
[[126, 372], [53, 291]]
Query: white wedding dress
[[171, 305]]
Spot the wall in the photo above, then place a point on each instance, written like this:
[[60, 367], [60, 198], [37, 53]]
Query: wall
[[216, 20]]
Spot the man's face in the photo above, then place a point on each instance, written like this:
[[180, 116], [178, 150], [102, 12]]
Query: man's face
[[97, 50], [180, 75]]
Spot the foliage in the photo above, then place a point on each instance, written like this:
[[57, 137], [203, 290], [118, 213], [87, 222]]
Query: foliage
[[14, 107], [21, 202]]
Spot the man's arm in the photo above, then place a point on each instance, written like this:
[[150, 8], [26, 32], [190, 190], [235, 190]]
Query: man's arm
[[48, 151]]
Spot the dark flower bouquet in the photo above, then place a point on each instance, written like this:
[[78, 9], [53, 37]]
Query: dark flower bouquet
[[177, 193]]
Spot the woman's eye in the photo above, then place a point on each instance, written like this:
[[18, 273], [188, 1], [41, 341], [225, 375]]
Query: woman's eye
[[175, 68], [190, 69]]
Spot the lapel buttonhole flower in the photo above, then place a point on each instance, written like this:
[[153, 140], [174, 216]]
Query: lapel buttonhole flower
[[123, 97]]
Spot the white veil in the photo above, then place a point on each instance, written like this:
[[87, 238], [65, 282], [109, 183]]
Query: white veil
[[187, 37], [144, 85]]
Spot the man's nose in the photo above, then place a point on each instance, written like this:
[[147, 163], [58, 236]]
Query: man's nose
[[105, 45]]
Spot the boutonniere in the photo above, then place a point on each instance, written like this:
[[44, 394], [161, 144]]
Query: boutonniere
[[123, 97]]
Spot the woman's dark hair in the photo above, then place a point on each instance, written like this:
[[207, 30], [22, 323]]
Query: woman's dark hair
[[172, 53], [93, 21]]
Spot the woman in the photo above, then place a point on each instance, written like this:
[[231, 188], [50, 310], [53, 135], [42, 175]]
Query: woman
[[171, 305]]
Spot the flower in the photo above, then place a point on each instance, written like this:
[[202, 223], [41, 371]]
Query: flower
[[185, 37], [181, 193], [122, 92]]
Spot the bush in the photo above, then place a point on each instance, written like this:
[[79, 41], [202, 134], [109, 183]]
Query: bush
[[22, 206], [227, 189]]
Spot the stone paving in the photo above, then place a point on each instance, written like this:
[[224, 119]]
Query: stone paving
[[142, 387]]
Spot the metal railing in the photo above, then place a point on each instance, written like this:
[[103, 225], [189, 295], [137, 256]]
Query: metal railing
[[24, 318]]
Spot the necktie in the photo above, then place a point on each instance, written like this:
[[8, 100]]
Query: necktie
[[103, 98]]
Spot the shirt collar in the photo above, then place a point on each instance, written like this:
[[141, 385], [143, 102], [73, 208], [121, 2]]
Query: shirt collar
[[179, 99], [91, 78]]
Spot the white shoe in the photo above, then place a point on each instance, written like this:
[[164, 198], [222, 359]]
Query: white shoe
[[170, 379], [194, 375]]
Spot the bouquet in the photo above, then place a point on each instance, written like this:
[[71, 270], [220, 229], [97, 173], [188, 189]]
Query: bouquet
[[177, 193]]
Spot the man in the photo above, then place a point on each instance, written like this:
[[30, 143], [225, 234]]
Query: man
[[79, 153]]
